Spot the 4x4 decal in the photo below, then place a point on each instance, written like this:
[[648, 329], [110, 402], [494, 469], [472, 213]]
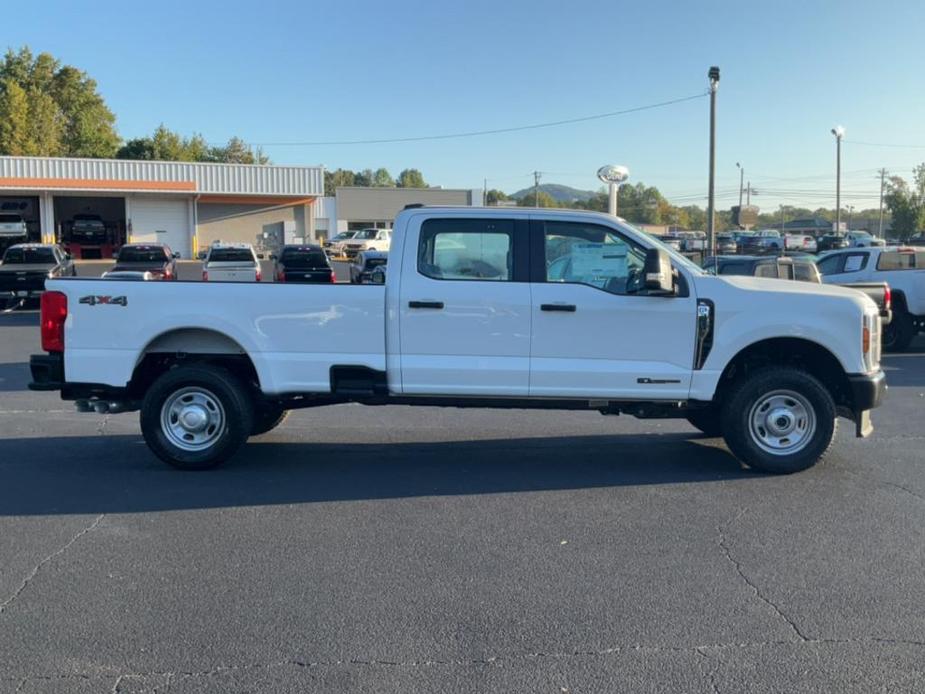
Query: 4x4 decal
[[94, 300]]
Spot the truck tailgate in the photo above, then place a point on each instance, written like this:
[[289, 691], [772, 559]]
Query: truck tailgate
[[293, 334]]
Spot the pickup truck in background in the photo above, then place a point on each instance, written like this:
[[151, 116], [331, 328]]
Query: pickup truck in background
[[25, 267], [506, 308], [231, 262], [903, 269]]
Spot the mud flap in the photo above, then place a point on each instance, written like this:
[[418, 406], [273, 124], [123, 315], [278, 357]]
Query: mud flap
[[862, 424]]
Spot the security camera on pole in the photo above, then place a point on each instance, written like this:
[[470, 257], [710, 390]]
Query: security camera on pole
[[614, 177]]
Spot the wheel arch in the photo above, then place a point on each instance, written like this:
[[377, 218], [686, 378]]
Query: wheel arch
[[798, 352]]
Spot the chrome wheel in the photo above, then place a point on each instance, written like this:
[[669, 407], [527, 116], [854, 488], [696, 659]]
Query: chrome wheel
[[192, 418], [782, 422]]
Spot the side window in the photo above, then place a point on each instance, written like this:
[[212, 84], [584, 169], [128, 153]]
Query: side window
[[855, 262], [593, 255], [895, 261], [466, 249], [831, 265], [766, 270]]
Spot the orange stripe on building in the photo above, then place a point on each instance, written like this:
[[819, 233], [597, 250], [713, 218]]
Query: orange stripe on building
[[97, 184]]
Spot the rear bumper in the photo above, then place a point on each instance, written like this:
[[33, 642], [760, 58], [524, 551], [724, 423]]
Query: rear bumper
[[47, 371]]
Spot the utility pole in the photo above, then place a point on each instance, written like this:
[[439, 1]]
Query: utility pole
[[741, 184], [485, 193], [839, 132], [536, 188], [850, 215], [882, 184], [748, 194], [713, 75], [782, 220]]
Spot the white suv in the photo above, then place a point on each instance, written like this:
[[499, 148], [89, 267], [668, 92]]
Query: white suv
[[368, 240]]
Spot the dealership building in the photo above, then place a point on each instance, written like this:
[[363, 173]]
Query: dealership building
[[186, 205]]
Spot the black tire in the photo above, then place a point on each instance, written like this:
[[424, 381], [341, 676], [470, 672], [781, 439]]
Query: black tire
[[787, 387], [899, 333], [220, 392], [267, 418], [707, 420]]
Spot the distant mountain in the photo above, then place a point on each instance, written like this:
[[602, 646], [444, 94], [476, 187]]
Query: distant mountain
[[559, 192]]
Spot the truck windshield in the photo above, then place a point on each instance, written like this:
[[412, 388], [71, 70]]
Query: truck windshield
[[231, 255], [304, 258], [142, 254], [28, 256], [366, 234]]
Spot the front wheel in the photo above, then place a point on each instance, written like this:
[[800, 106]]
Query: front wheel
[[779, 420], [196, 417]]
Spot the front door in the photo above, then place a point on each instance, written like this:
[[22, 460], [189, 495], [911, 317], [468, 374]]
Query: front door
[[596, 334], [465, 308]]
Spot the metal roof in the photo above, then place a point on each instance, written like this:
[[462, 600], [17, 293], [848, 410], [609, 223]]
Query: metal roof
[[60, 173]]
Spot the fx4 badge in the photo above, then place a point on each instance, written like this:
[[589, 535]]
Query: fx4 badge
[[94, 300]]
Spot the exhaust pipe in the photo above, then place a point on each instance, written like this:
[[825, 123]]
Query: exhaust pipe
[[103, 406]]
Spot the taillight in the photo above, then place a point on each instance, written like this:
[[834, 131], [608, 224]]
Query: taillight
[[333, 278], [281, 276], [887, 298], [168, 275], [259, 275], [205, 275], [53, 315]]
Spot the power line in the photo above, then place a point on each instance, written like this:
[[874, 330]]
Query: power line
[[884, 144], [475, 133]]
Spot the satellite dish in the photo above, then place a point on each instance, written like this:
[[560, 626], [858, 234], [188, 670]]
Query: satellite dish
[[613, 174]]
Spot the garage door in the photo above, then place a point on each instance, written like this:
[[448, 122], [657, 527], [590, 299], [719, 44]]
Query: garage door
[[162, 220]]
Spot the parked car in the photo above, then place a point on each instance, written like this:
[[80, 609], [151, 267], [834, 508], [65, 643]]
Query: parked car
[[588, 312], [13, 227], [305, 264], [903, 269], [336, 245], [800, 242], [361, 270], [862, 239], [88, 229], [25, 267], [726, 244], [762, 241], [157, 259], [231, 262], [368, 240], [774, 267], [671, 241], [831, 242]]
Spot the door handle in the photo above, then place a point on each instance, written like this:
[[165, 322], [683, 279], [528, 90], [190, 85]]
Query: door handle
[[425, 304], [566, 308]]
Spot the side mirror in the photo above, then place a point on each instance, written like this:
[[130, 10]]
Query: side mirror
[[659, 276], [68, 255], [176, 254], [260, 256], [272, 256], [115, 255]]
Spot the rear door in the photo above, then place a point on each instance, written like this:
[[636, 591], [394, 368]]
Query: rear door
[[464, 311], [595, 332]]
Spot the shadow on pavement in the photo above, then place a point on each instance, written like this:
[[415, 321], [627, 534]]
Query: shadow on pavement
[[14, 377], [117, 474]]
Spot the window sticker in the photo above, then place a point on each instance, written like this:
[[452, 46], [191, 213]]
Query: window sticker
[[598, 260]]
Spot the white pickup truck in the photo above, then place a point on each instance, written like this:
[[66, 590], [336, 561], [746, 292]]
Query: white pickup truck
[[903, 269], [507, 308]]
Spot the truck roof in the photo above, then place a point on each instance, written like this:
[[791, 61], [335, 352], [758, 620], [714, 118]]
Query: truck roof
[[521, 212]]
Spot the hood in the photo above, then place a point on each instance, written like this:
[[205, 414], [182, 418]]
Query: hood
[[707, 284]]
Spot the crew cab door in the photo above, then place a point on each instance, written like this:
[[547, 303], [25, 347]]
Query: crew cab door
[[595, 331], [839, 268], [464, 307]]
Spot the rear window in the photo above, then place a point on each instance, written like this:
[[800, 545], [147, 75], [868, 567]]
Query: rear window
[[896, 261], [231, 255], [10, 219], [142, 254], [28, 256], [304, 258], [375, 262]]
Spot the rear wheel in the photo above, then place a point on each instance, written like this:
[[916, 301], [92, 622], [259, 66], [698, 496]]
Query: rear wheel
[[779, 420], [196, 417], [898, 334], [708, 420]]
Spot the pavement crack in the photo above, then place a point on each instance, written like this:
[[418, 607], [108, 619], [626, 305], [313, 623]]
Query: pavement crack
[[727, 553], [709, 673], [101, 429], [38, 567]]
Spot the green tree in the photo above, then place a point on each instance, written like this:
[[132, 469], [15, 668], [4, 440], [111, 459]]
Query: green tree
[[411, 178], [337, 179], [383, 179], [494, 196], [363, 178], [14, 118], [67, 114], [235, 152], [546, 200], [906, 204]]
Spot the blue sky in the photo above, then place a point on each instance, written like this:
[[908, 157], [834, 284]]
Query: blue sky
[[307, 71]]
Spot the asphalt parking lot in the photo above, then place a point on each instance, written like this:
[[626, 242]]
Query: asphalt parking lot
[[388, 549]]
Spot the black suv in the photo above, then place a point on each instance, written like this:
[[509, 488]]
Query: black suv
[[307, 264]]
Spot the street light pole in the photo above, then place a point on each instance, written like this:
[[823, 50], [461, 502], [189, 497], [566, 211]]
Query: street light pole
[[882, 182], [839, 132], [713, 75], [741, 184]]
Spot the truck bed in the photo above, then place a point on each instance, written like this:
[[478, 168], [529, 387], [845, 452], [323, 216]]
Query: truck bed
[[293, 333]]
